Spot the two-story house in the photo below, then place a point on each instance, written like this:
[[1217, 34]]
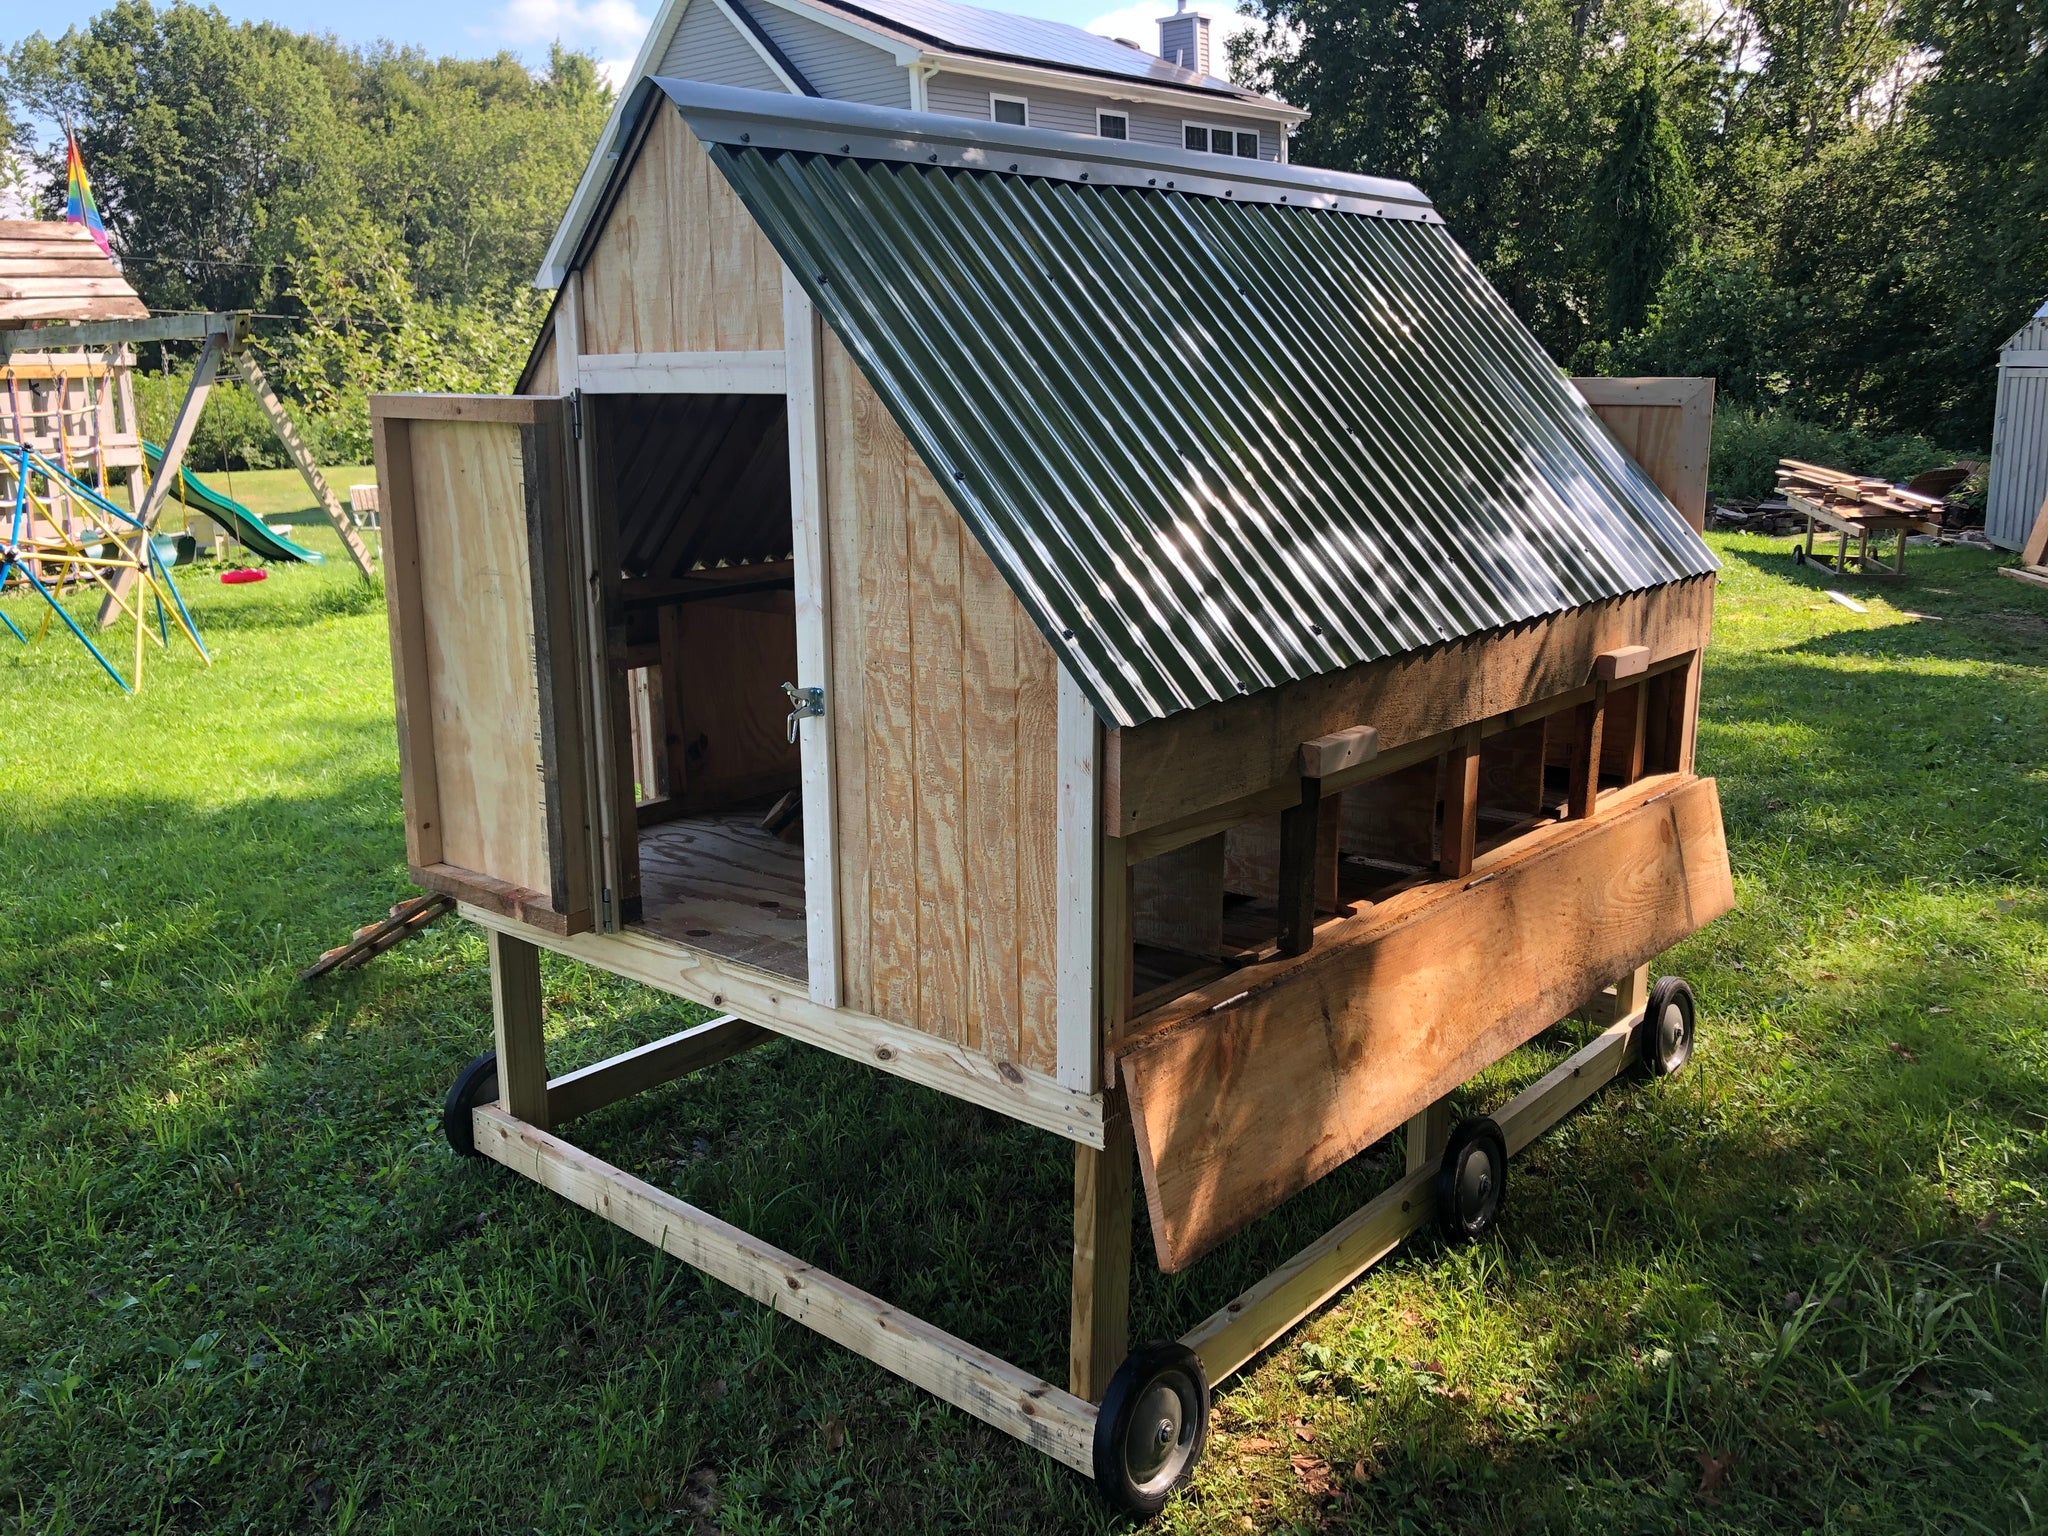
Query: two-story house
[[940, 56]]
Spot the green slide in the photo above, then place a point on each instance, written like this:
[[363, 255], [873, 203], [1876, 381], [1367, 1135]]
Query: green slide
[[232, 515]]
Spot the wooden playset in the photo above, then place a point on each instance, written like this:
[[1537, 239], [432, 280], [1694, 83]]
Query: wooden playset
[[1214, 687]]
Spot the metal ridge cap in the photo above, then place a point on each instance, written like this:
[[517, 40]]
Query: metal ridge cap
[[731, 115]]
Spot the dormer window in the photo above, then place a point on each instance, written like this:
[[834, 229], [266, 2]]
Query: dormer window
[[1009, 109], [1207, 139], [1112, 125]]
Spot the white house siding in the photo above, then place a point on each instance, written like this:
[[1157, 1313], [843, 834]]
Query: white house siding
[[1074, 111], [2019, 438], [835, 64], [708, 46]]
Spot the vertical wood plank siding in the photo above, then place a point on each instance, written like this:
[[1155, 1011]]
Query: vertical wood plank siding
[[944, 698], [680, 266]]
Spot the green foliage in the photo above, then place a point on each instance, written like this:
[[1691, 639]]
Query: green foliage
[[1748, 445], [368, 331], [1837, 207], [241, 165], [1643, 198], [233, 432]]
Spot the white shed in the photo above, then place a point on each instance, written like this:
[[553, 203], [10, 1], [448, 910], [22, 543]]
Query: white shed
[[2019, 435]]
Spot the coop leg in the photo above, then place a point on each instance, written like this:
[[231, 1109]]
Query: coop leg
[[516, 1011], [1102, 1259], [1427, 1133], [1627, 998]]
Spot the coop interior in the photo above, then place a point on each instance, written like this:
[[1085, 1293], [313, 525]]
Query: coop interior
[[695, 489], [1210, 907]]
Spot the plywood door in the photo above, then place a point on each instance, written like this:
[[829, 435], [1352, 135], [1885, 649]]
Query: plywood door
[[483, 567]]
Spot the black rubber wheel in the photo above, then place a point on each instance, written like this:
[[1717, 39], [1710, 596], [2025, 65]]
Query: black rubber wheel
[[1471, 1181], [1667, 1027], [1799, 554], [475, 1084], [1152, 1426]]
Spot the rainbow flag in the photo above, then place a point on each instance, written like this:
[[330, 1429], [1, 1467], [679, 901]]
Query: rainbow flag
[[79, 208]]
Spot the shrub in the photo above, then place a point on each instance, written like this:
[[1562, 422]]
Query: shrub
[[1748, 445], [233, 432]]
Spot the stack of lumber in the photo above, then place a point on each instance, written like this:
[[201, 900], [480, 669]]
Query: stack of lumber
[[1855, 497]]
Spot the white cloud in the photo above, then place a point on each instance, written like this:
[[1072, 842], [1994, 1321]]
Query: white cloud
[[1140, 24], [611, 29]]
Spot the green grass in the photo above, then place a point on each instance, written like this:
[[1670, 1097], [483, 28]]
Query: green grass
[[244, 1286], [277, 495]]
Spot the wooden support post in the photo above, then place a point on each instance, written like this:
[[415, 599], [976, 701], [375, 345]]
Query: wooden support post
[[1625, 998], [1585, 770], [1428, 1133], [302, 459], [1461, 807], [517, 1016], [1103, 1182], [674, 659], [659, 1061], [1299, 828], [166, 476]]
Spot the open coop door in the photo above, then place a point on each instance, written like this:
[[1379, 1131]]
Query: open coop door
[[484, 568]]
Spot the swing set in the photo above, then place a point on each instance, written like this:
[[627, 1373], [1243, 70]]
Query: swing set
[[63, 532]]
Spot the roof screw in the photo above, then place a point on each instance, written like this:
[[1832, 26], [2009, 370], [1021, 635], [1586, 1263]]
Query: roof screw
[[746, 138], [824, 277], [846, 149], [1169, 186], [1013, 165], [934, 159], [1152, 182], [960, 475], [1084, 175], [1314, 629]]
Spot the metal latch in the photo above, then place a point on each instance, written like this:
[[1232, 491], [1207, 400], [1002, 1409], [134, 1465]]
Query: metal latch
[[803, 702]]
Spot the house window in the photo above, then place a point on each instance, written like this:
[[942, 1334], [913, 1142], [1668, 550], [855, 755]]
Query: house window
[[1112, 125], [1206, 140], [1009, 109]]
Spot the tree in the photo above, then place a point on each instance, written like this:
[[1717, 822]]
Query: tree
[[1643, 201]]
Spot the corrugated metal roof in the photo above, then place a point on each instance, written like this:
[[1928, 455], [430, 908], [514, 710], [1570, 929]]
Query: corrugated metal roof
[[1216, 440], [1029, 40]]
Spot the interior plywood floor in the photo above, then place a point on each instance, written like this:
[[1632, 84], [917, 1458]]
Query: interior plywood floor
[[717, 882]]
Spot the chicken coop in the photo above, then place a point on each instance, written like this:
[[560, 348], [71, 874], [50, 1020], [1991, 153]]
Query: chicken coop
[[1142, 642]]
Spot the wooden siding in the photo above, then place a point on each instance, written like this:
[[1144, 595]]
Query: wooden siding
[[1666, 426], [680, 266], [2019, 438], [542, 378], [944, 701]]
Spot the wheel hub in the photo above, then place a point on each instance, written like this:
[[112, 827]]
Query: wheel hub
[[1157, 1446], [1671, 1031], [1475, 1184]]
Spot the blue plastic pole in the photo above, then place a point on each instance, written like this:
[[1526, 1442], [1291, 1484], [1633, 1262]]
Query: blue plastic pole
[[68, 623]]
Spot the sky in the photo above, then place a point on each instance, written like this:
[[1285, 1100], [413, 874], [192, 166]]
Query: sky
[[609, 29]]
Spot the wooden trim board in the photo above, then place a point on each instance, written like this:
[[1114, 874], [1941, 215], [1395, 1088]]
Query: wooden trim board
[[993, 1390], [1189, 764], [803, 346], [1231, 1337], [773, 1002], [1251, 1088], [1076, 938], [681, 373]]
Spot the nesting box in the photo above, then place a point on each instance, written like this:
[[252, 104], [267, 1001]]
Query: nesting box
[[1144, 643]]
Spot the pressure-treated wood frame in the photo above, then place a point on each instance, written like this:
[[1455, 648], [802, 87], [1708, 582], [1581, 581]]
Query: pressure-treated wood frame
[[518, 1131]]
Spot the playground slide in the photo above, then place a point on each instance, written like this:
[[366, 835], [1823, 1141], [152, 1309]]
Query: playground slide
[[232, 515]]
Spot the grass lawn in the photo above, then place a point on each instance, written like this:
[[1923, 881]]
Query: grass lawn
[[244, 1286], [278, 496]]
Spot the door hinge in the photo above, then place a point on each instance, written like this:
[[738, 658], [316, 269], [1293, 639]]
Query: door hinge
[[604, 924], [576, 414], [803, 702]]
